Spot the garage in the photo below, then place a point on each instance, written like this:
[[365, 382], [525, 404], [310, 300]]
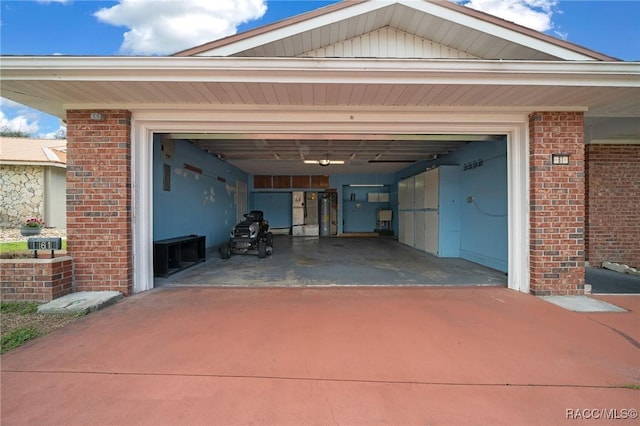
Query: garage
[[380, 97], [200, 187]]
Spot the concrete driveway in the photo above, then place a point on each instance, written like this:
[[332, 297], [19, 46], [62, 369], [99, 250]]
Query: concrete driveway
[[348, 356]]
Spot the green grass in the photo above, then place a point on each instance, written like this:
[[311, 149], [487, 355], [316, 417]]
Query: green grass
[[9, 249], [10, 246], [22, 308], [17, 337], [21, 322], [632, 386]]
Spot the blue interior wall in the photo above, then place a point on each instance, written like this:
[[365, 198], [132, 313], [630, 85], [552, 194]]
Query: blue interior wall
[[484, 234], [360, 215], [197, 203], [483, 216], [362, 219], [275, 205]]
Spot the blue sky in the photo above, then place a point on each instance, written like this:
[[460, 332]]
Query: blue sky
[[158, 27]]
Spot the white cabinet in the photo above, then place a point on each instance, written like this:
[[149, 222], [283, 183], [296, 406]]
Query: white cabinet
[[406, 228], [405, 193], [419, 195], [420, 230], [432, 231], [431, 189], [429, 211], [378, 197]]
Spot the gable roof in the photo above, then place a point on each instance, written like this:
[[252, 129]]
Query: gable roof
[[473, 33], [33, 152]]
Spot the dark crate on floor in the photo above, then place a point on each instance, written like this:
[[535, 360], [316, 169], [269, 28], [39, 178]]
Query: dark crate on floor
[[175, 254]]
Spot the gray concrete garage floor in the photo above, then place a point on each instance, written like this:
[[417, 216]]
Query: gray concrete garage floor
[[336, 261]]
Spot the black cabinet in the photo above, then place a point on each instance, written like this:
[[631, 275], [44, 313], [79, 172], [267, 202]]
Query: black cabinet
[[175, 254]]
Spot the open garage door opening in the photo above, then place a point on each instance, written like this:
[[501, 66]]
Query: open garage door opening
[[433, 208], [441, 197]]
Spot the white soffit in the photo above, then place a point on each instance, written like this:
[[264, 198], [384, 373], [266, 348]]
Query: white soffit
[[457, 27], [54, 84]]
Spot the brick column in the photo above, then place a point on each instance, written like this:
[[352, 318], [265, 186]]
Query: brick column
[[557, 197], [99, 227], [613, 204]]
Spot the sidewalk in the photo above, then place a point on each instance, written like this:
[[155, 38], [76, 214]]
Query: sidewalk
[[328, 356]]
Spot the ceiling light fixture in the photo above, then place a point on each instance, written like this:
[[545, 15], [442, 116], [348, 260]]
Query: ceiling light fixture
[[324, 162]]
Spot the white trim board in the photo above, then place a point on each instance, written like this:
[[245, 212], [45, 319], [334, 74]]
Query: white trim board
[[514, 126]]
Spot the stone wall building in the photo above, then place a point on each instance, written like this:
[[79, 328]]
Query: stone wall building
[[33, 181]]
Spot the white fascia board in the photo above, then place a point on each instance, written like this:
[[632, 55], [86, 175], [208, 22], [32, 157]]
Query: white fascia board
[[297, 28], [371, 113], [32, 163], [496, 30], [326, 71]]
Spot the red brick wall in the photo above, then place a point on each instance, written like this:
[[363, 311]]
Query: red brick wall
[[557, 203], [613, 204], [37, 280], [99, 235]]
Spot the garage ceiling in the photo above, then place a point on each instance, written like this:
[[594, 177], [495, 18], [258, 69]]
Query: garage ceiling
[[284, 154]]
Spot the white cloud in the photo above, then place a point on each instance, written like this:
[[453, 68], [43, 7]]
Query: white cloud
[[19, 123], [534, 14], [168, 26], [15, 117], [61, 133]]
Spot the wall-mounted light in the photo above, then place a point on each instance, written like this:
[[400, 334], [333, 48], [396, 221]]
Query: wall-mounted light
[[97, 116], [559, 159]]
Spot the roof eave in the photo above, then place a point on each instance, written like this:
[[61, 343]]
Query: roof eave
[[240, 39], [529, 32], [5, 162], [57, 68], [267, 28]]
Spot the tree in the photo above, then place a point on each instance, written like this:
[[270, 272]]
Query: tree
[[61, 133], [8, 133]]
